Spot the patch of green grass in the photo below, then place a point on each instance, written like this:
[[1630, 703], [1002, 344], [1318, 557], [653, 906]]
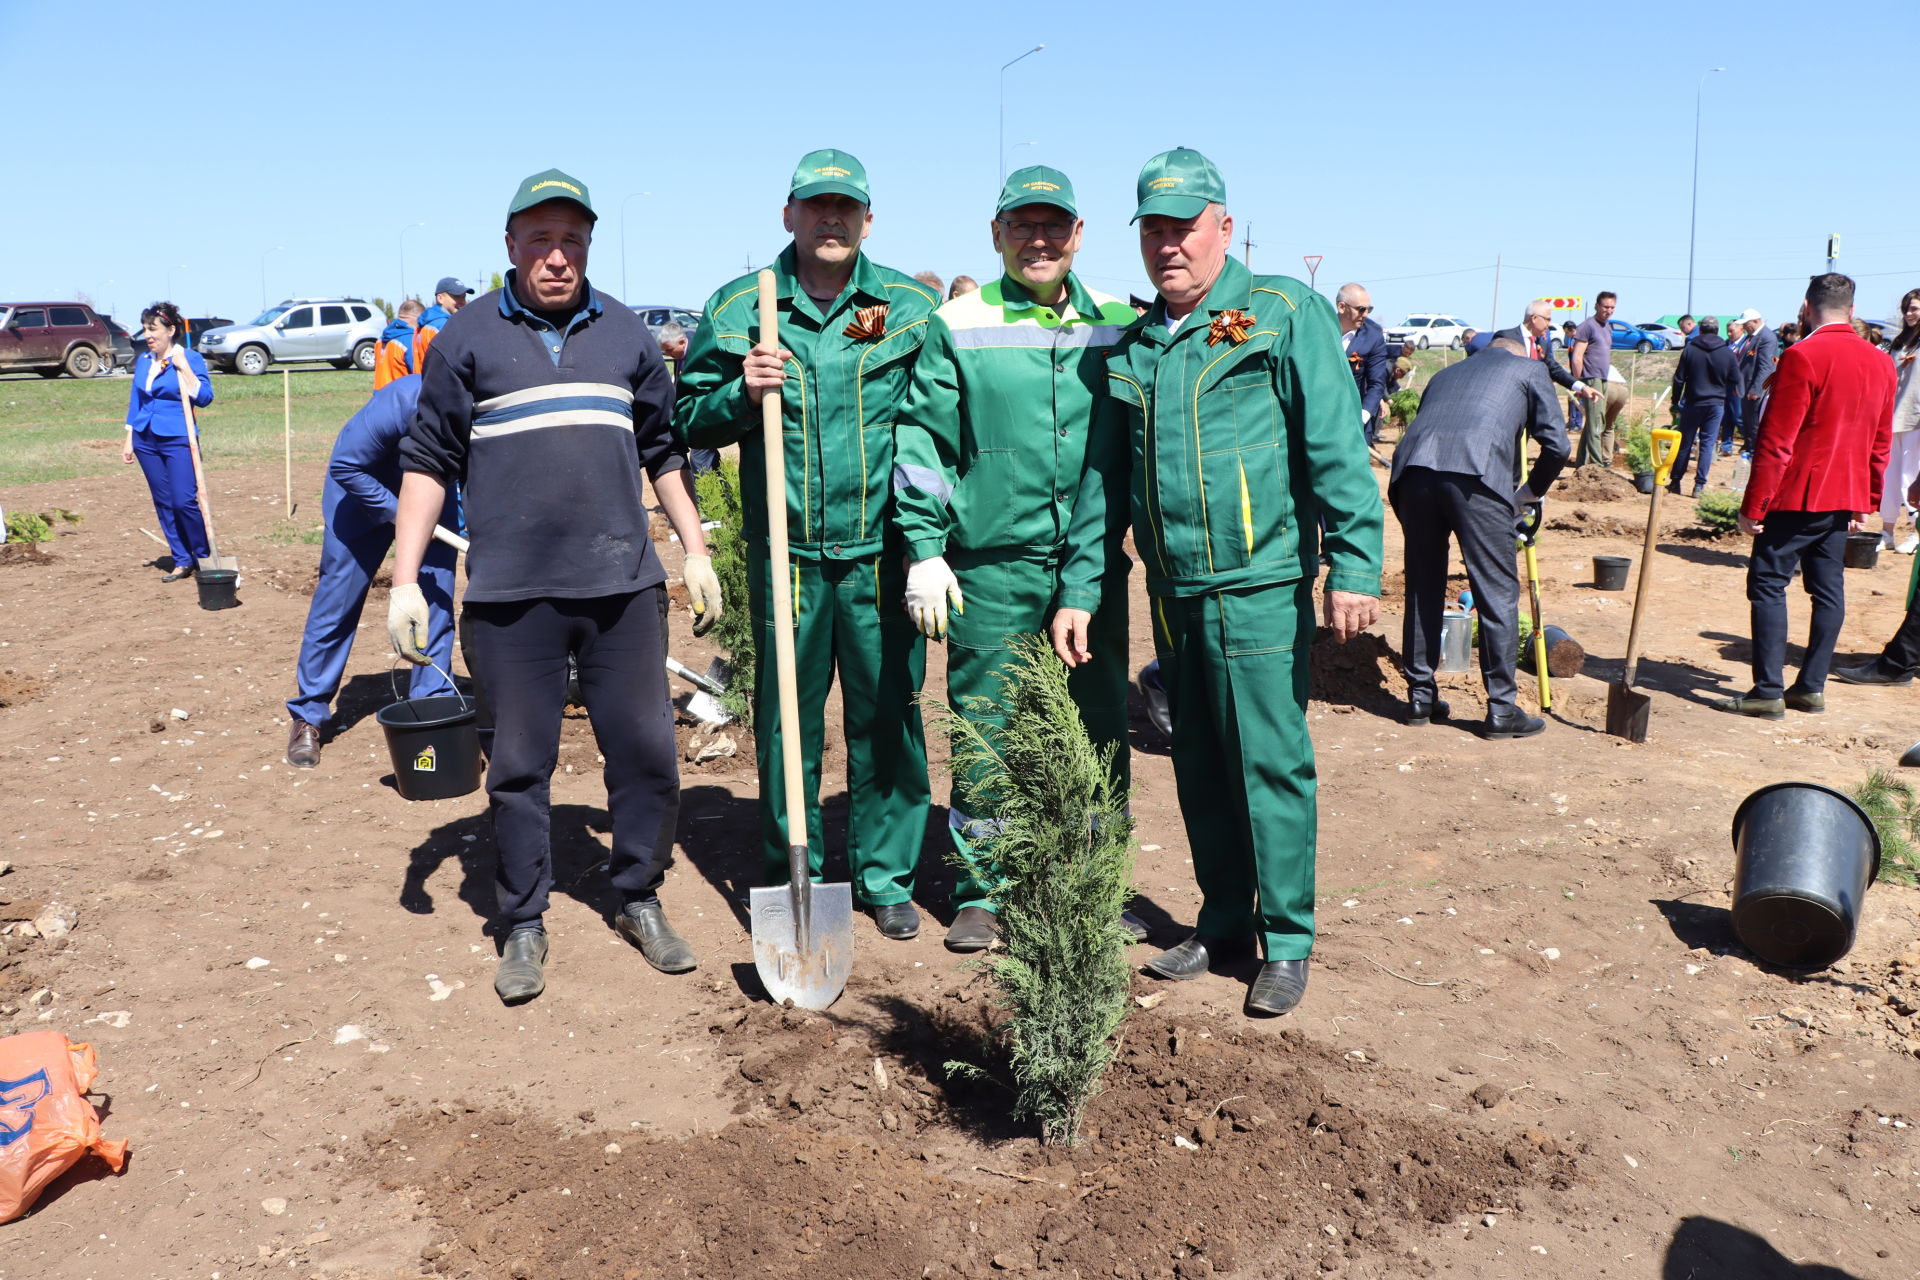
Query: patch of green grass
[[284, 533], [65, 428]]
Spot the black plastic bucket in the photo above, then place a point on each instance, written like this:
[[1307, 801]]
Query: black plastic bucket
[[217, 588], [1643, 481], [434, 744], [1863, 550], [1804, 856], [1610, 572]]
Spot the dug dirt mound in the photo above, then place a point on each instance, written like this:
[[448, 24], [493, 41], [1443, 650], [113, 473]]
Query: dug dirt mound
[[24, 554], [1582, 523], [1593, 483], [1213, 1151], [1364, 672]]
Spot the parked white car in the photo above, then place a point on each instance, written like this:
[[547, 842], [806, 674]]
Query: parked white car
[[345, 332], [1425, 331]]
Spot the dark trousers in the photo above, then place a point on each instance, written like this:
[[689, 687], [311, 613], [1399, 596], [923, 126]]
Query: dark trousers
[[1749, 412], [1699, 423], [1903, 651], [1814, 542], [167, 462], [518, 655], [1433, 506], [347, 566]]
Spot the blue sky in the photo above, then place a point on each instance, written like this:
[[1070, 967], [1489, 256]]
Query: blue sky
[[1408, 145]]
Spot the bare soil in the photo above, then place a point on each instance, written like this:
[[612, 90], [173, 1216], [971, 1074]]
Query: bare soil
[[1532, 1045]]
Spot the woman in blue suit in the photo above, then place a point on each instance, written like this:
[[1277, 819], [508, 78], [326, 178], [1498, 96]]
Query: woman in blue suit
[[157, 427]]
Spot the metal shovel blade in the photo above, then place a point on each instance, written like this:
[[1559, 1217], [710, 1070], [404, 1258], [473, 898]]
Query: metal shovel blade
[[803, 941], [1627, 713]]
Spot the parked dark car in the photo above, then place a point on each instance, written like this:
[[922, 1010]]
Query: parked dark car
[[52, 338], [126, 348]]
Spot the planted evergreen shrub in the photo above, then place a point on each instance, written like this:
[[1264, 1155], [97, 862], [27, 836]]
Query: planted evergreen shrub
[[1718, 510], [718, 494], [1063, 854]]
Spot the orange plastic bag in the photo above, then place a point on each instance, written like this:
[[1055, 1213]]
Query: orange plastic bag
[[46, 1125]]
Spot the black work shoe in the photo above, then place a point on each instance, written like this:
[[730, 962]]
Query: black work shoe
[[644, 924], [1277, 988], [1193, 957], [522, 974], [1422, 710], [303, 745], [897, 920], [973, 929], [1748, 705], [1136, 927], [1511, 723], [1800, 699], [184, 571], [1874, 672]]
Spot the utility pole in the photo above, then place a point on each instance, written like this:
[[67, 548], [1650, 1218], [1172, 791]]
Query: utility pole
[[1247, 246], [1495, 323], [1693, 217]]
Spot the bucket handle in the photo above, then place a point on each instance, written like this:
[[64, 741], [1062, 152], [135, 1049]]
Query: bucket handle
[[451, 683]]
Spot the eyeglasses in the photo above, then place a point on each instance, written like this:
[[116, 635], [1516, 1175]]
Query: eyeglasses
[[1359, 311], [1028, 230]]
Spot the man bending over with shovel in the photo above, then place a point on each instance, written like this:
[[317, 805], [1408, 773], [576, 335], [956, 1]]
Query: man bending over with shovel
[[547, 400]]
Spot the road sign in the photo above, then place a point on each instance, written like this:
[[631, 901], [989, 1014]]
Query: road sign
[[1565, 303], [1313, 261]]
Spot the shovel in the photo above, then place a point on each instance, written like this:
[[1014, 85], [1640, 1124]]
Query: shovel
[[1529, 533], [704, 706], [1626, 710], [213, 559], [802, 932]]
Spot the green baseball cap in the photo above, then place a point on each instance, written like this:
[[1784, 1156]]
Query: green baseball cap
[[1178, 184], [1037, 184], [551, 184], [829, 173]]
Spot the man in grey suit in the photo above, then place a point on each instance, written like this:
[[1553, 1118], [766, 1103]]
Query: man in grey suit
[[1455, 473]]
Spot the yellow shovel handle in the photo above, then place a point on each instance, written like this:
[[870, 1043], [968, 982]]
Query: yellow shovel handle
[[1666, 443]]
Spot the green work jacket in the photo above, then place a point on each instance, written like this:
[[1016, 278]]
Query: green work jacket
[[1229, 458], [837, 408], [992, 441]]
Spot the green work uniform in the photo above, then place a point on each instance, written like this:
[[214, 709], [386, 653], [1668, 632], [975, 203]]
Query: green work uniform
[[1234, 459], [989, 453], [852, 361]]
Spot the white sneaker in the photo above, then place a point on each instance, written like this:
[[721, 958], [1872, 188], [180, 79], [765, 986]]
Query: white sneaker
[[1886, 540], [1907, 548]]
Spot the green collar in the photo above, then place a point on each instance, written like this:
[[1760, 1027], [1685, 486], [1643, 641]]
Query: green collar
[[1016, 296], [865, 282]]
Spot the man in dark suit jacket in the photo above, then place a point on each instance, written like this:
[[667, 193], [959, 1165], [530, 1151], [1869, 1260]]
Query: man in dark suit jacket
[[1534, 336], [1366, 346], [1454, 473], [1817, 469]]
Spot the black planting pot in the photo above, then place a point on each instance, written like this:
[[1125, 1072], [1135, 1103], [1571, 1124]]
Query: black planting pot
[[1863, 550], [1804, 856], [1610, 572], [1643, 481]]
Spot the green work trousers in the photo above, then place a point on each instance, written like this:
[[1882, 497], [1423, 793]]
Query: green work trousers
[[848, 618], [1236, 668], [1010, 595]]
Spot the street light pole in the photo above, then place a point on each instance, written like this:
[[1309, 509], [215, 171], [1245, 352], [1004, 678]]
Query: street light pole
[[263, 273], [624, 295], [403, 259], [1693, 219], [1003, 107]]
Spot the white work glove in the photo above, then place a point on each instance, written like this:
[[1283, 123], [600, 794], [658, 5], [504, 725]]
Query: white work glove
[[189, 384], [407, 623], [1523, 498], [930, 585], [703, 592]]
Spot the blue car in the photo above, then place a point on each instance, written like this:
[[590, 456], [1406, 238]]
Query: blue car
[[1627, 336]]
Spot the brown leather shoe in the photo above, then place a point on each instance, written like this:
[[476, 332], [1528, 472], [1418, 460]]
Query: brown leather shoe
[[303, 745]]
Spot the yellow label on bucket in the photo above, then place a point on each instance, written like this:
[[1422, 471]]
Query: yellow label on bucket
[[423, 763]]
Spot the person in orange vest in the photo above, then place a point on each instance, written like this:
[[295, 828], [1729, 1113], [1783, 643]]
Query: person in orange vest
[[394, 360], [448, 297]]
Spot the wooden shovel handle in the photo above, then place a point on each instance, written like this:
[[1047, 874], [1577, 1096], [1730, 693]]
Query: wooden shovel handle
[[200, 477], [780, 560], [1640, 590]]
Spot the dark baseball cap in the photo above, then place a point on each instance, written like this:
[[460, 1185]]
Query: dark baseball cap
[[1178, 184], [1037, 184], [449, 285], [551, 184], [829, 172]]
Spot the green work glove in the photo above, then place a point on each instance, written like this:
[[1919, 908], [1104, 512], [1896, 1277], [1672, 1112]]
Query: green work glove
[[407, 623], [703, 592]]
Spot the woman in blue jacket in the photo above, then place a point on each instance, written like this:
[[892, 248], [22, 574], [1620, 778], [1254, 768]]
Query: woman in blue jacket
[[157, 432]]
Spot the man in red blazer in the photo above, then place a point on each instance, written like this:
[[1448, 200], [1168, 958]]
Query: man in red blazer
[[1817, 470]]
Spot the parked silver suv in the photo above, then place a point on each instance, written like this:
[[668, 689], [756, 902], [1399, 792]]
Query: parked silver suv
[[345, 332]]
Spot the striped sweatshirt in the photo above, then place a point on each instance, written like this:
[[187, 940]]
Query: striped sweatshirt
[[548, 431]]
